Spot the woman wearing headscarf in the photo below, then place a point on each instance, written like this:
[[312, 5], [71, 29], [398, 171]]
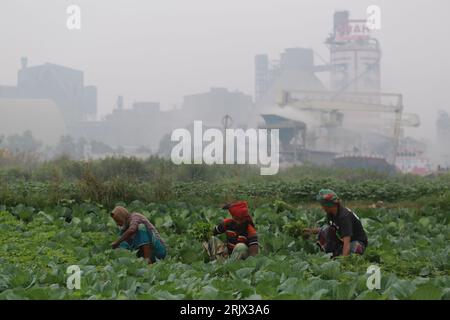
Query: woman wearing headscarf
[[242, 237], [343, 234], [137, 233]]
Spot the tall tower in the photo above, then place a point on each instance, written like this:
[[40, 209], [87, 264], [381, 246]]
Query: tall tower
[[355, 56], [443, 136], [261, 75], [119, 102], [24, 62]]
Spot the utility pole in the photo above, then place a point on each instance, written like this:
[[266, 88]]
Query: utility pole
[[227, 121]]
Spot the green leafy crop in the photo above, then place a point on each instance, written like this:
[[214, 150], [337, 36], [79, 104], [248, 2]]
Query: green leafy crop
[[202, 231], [37, 244]]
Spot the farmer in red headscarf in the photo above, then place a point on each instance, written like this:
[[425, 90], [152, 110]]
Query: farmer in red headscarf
[[242, 238]]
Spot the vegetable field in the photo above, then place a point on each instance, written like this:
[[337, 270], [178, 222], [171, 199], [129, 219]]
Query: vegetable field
[[410, 245]]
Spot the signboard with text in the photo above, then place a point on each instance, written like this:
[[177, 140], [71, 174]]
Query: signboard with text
[[352, 30]]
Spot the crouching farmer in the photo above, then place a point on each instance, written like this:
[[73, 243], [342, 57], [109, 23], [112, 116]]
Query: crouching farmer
[[137, 233], [242, 238], [344, 233]]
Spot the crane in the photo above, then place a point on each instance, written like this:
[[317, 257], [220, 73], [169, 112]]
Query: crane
[[328, 102]]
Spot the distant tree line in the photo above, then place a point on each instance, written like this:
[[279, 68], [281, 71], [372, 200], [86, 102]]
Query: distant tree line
[[25, 148]]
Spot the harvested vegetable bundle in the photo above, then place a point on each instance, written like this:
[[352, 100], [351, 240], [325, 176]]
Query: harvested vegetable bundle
[[202, 231], [295, 228]]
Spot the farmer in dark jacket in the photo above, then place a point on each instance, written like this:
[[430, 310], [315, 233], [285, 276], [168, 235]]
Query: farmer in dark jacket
[[344, 233]]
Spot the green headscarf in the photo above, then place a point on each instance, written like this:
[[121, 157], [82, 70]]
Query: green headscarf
[[328, 198]]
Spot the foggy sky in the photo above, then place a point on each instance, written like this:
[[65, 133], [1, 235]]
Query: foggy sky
[[165, 49]]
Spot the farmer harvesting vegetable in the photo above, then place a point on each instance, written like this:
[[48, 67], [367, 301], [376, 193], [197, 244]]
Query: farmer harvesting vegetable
[[344, 233], [137, 233], [242, 238]]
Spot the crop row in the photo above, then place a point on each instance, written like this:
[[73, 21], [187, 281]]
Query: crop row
[[36, 247], [43, 194]]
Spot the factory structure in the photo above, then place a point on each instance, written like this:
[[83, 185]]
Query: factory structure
[[346, 121], [350, 122], [144, 125], [443, 137], [61, 85], [52, 101]]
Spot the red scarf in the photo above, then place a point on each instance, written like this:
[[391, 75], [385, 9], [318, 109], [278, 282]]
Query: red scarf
[[240, 210]]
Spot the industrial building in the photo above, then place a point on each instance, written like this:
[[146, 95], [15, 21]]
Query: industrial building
[[142, 125], [354, 56], [412, 158], [443, 137], [213, 106], [145, 124], [294, 70], [63, 86], [350, 122]]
